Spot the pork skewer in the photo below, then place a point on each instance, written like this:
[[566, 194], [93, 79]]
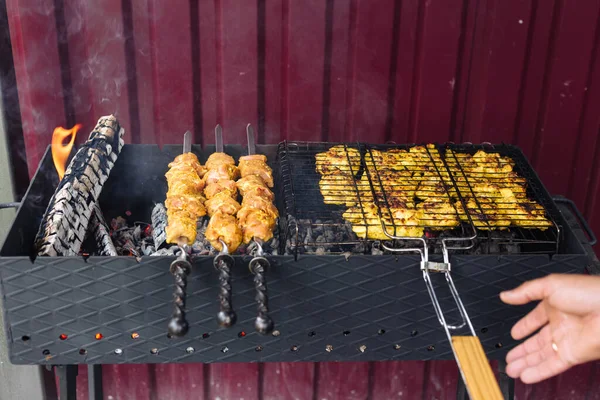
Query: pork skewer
[[223, 230], [257, 218], [185, 205]]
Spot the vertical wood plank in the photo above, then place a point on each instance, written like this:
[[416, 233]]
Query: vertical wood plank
[[240, 70], [399, 380], [342, 34], [373, 56], [435, 70], [79, 92], [588, 142], [441, 379], [564, 94], [539, 40], [139, 67], [38, 72], [275, 64], [343, 381], [496, 70], [124, 382], [207, 69], [288, 381], [105, 64], [406, 42], [179, 381], [305, 60], [234, 381], [171, 69]]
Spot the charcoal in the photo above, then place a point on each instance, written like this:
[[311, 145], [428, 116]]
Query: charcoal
[[67, 217], [99, 229]]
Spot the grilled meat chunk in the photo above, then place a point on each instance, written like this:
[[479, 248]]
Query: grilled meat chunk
[[222, 202], [227, 186], [256, 164], [225, 227], [338, 159], [184, 201]]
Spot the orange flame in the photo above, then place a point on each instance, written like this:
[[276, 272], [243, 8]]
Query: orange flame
[[60, 150]]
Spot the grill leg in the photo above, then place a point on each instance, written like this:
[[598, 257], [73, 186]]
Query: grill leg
[[507, 384], [461, 390], [95, 382], [67, 381]]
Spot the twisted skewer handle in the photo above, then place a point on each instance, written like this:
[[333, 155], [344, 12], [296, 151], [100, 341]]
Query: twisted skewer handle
[[263, 324], [226, 316], [178, 326]]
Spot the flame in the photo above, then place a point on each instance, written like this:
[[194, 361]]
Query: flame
[[60, 151]]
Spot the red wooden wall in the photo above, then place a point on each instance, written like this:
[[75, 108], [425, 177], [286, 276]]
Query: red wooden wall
[[519, 71]]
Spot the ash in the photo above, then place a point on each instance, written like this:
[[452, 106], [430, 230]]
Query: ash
[[322, 237], [325, 237]]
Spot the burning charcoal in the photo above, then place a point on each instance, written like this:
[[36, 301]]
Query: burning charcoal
[[123, 238], [376, 252], [159, 223], [99, 230], [67, 217]]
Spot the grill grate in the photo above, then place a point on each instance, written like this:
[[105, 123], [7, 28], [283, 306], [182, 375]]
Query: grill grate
[[396, 196]]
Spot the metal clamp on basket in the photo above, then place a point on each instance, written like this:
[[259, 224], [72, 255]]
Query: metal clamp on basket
[[180, 268]]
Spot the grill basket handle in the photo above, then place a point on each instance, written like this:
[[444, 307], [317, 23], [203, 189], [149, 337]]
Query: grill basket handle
[[582, 221], [9, 205]]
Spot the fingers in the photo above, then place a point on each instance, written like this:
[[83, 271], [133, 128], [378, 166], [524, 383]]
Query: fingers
[[536, 289], [548, 368], [530, 323], [531, 345], [535, 359]]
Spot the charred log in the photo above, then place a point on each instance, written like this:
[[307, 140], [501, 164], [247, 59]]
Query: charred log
[[159, 225], [67, 217], [99, 229]]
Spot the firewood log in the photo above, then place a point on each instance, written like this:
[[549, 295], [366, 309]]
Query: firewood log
[[68, 214]]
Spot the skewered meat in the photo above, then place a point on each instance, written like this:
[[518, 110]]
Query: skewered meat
[[222, 202], [256, 185], [257, 223], [184, 202], [227, 186], [189, 159], [257, 203], [221, 172], [225, 227], [216, 159], [258, 215], [256, 164]]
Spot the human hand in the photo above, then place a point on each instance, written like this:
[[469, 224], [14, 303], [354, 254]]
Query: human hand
[[569, 318]]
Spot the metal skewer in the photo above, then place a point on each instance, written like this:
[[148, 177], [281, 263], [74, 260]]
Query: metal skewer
[[223, 263], [263, 324], [218, 139], [180, 268]]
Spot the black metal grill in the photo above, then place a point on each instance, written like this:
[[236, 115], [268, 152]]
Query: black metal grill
[[314, 299], [362, 178]]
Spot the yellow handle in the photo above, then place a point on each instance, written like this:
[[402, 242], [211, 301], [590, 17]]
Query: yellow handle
[[479, 378]]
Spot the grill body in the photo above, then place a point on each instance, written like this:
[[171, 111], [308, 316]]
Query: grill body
[[318, 302]]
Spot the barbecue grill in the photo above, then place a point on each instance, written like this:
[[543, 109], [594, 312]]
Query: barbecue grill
[[333, 296]]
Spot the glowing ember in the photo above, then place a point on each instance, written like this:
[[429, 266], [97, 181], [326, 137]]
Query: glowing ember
[[60, 150]]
